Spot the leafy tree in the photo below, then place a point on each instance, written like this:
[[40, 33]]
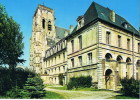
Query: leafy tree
[[6, 82], [33, 88], [11, 46]]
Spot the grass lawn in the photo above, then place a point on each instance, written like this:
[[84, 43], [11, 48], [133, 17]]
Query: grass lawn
[[77, 89], [123, 97], [53, 95], [59, 88]]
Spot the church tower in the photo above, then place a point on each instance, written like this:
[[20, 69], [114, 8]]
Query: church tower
[[43, 37]]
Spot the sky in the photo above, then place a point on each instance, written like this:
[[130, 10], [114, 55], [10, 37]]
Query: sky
[[66, 13]]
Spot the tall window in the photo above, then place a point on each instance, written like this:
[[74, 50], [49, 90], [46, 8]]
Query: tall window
[[72, 62], [49, 25], [119, 41], [80, 60], [128, 44], [72, 45], [43, 23], [90, 58], [63, 56], [80, 42], [107, 37], [139, 47]]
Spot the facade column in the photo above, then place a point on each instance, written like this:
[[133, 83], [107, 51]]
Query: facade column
[[99, 52], [122, 69]]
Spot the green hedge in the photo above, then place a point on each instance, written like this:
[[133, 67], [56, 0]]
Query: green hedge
[[77, 82], [130, 87]]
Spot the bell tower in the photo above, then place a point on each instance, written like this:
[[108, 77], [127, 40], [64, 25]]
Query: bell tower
[[43, 36]]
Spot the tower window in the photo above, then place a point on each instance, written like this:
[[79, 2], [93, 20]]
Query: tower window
[[43, 23], [49, 25]]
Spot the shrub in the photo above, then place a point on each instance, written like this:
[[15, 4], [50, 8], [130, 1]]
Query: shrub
[[130, 87], [82, 81], [33, 88]]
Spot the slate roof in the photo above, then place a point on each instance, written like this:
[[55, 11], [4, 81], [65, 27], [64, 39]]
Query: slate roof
[[60, 32], [96, 11]]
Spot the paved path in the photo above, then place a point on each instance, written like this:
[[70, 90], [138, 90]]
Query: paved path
[[84, 94]]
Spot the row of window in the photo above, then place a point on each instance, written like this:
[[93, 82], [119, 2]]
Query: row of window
[[108, 41], [55, 60], [80, 60], [56, 70], [80, 43]]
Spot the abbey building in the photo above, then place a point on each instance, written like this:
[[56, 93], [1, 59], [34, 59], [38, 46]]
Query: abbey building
[[103, 45]]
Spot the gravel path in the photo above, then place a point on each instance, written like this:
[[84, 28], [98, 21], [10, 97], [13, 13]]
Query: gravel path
[[84, 94]]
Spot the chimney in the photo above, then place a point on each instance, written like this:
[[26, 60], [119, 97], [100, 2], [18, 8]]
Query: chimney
[[112, 15], [66, 33], [71, 28]]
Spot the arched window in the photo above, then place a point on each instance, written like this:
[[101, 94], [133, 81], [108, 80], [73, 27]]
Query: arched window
[[49, 25], [119, 58], [43, 23], [138, 63], [108, 56], [128, 60]]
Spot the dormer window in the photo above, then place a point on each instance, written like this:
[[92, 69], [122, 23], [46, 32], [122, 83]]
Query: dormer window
[[80, 21], [125, 24], [112, 16]]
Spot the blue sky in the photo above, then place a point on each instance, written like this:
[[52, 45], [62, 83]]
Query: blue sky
[[66, 12]]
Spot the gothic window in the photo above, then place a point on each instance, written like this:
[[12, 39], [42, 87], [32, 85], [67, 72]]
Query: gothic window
[[90, 58], [49, 25], [43, 23], [80, 60], [119, 41], [80, 42], [128, 44], [72, 45], [107, 37]]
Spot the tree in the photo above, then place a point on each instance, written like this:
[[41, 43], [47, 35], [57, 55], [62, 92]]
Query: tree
[[33, 88], [11, 46]]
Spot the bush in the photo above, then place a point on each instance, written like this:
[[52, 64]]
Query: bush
[[130, 87], [77, 82], [33, 88]]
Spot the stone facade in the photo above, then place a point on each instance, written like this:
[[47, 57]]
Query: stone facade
[[102, 45]]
